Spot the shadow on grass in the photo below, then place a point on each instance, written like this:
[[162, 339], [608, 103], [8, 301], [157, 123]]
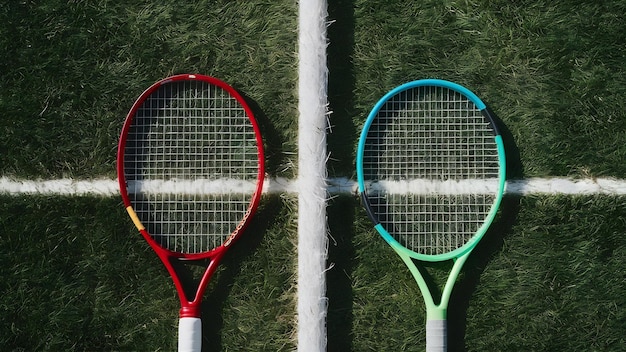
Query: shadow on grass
[[223, 280], [269, 208], [341, 210], [341, 85], [436, 273], [246, 246], [341, 257], [491, 243], [218, 291], [272, 140]]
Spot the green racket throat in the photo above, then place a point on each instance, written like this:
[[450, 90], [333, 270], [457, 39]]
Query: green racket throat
[[435, 310]]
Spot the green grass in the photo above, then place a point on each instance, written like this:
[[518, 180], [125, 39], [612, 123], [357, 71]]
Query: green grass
[[548, 277], [80, 278], [553, 71], [557, 283], [71, 70]]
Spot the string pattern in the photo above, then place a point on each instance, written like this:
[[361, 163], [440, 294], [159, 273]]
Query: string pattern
[[184, 133], [433, 135]]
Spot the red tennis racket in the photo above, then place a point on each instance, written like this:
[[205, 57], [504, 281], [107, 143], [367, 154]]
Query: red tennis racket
[[190, 166]]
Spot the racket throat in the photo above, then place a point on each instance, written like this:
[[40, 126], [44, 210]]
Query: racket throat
[[190, 311], [431, 277], [436, 312], [435, 290], [190, 282]]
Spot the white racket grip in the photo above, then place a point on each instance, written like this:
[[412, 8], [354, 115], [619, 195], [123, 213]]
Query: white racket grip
[[436, 336], [189, 335]]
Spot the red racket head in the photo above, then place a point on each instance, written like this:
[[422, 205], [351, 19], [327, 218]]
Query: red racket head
[[190, 165]]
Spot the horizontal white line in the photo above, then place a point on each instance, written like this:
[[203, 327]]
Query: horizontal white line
[[105, 187], [197, 187], [609, 186], [449, 187], [109, 187]]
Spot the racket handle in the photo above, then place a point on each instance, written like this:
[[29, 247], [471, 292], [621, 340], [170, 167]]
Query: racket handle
[[436, 336], [189, 335]]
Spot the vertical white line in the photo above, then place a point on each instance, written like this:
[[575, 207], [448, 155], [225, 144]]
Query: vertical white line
[[312, 240]]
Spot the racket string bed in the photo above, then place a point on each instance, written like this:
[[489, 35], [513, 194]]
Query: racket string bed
[[186, 135], [436, 136]]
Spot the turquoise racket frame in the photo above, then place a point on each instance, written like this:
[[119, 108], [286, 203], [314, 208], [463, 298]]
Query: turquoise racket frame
[[434, 311]]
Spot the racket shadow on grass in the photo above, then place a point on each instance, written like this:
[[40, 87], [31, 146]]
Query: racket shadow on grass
[[435, 273], [490, 245], [246, 246], [219, 291]]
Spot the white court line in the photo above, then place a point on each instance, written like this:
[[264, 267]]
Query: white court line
[[555, 185], [109, 187], [312, 303]]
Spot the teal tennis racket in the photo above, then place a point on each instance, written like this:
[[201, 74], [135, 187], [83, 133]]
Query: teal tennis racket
[[431, 175]]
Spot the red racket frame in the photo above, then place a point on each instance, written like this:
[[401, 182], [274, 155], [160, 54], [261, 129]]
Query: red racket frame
[[190, 307]]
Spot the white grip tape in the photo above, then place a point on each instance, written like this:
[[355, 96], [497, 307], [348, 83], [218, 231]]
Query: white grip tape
[[436, 336], [189, 335]]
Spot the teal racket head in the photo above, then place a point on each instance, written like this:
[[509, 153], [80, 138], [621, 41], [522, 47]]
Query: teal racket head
[[431, 169]]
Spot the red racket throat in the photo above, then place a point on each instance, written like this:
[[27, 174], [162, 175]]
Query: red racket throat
[[190, 166]]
